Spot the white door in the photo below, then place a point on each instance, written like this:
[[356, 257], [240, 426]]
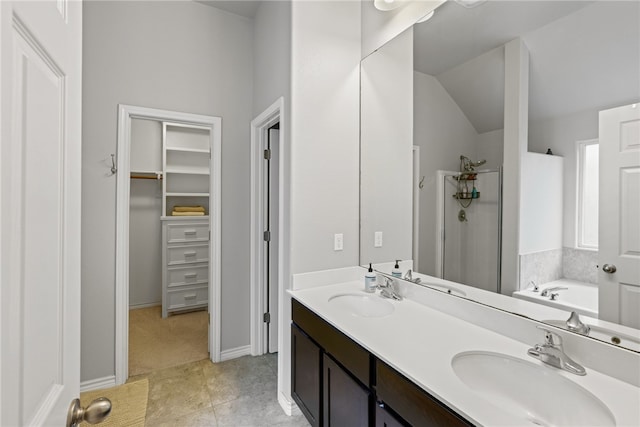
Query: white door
[[272, 251], [619, 227], [40, 74]]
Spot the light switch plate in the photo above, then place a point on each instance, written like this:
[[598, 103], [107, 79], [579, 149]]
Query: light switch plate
[[338, 242], [377, 239]]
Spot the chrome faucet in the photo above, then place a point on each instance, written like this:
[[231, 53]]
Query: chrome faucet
[[574, 324], [409, 276], [534, 285], [551, 353], [389, 289], [545, 292]]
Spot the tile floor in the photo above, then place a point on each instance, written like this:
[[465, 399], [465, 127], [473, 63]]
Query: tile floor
[[238, 392]]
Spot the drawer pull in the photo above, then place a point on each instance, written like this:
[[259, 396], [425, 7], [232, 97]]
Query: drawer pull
[[191, 253], [189, 296], [189, 232], [190, 275]]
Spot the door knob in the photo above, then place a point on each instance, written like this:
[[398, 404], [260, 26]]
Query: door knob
[[609, 268], [95, 413]]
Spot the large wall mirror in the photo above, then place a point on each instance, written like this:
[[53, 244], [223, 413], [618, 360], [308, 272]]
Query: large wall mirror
[[437, 105]]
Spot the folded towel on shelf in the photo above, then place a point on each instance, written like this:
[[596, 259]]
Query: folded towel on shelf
[[175, 213], [188, 209]]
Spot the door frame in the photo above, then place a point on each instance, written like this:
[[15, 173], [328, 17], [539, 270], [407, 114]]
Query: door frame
[[259, 134], [123, 189]]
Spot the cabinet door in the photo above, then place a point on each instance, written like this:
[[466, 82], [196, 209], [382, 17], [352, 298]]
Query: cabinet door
[[384, 418], [346, 402], [305, 375]]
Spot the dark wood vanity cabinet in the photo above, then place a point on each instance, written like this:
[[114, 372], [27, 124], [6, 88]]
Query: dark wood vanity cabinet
[[329, 373], [306, 359], [346, 402], [412, 403], [337, 383], [384, 418]]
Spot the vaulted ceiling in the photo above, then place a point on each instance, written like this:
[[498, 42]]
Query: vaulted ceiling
[[583, 55]]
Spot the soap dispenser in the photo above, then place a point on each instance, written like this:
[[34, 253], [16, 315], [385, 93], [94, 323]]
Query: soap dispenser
[[370, 284], [396, 272]]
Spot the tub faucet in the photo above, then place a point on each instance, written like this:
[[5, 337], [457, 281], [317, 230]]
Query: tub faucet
[[574, 324], [552, 353], [409, 276], [545, 292], [389, 289]]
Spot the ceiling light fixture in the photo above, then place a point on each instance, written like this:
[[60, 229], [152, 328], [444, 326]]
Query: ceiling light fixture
[[426, 17], [470, 3], [386, 5]]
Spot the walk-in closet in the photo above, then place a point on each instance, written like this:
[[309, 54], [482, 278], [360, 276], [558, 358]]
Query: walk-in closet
[[169, 237]]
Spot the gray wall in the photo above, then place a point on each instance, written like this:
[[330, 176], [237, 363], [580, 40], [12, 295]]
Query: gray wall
[[443, 133], [180, 56], [325, 94], [145, 208], [386, 145], [271, 55]]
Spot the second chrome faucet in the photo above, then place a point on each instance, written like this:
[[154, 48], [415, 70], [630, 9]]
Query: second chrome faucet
[[552, 353]]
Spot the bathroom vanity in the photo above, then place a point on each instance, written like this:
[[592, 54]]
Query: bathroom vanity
[[335, 381], [360, 360]]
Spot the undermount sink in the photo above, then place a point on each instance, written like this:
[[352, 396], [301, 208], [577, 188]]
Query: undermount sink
[[362, 305], [604, 334], [535, 393], [448, 289]]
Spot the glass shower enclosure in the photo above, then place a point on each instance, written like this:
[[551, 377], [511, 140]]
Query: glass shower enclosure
[[470, 225]]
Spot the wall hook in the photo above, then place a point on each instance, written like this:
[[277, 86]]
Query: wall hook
[[421, 184], [114, 169]]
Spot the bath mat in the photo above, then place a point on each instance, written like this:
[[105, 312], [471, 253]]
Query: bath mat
[[128, 403]]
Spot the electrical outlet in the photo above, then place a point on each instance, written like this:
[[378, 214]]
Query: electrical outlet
[[338, 242], [377, 239]]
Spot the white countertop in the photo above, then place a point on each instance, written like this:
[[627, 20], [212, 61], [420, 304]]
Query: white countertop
[[420, 342]]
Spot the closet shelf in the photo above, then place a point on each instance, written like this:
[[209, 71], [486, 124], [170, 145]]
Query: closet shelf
[[188, 149], [188, 171]]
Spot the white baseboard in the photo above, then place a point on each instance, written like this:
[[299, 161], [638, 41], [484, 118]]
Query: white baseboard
[[288, 405], [98, 383], [151, 304], [234, 353]]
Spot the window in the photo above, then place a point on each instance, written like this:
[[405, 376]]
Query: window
[[588, 181]]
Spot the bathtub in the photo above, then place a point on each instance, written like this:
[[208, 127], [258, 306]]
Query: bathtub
[[580, 297]]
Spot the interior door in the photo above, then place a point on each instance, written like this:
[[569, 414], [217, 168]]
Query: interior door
[[41, 48], [274, 185], [619, 228]]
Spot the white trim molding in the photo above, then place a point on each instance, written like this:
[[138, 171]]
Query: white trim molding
[[98, 383], [259, 128], [234, 353], [288, 405], [125, 114]]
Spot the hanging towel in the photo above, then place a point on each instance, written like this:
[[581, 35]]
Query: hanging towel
[[188, 209], [175, 213]]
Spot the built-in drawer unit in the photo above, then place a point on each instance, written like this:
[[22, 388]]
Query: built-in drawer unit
[[187, 254], [187, 275], [188, 232], [187, 297], [185, 259]]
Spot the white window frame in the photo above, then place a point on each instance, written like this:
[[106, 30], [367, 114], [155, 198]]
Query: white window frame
[[580, 170]]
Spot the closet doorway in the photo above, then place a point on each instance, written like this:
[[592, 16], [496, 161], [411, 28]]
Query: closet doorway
[[167, 243]]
